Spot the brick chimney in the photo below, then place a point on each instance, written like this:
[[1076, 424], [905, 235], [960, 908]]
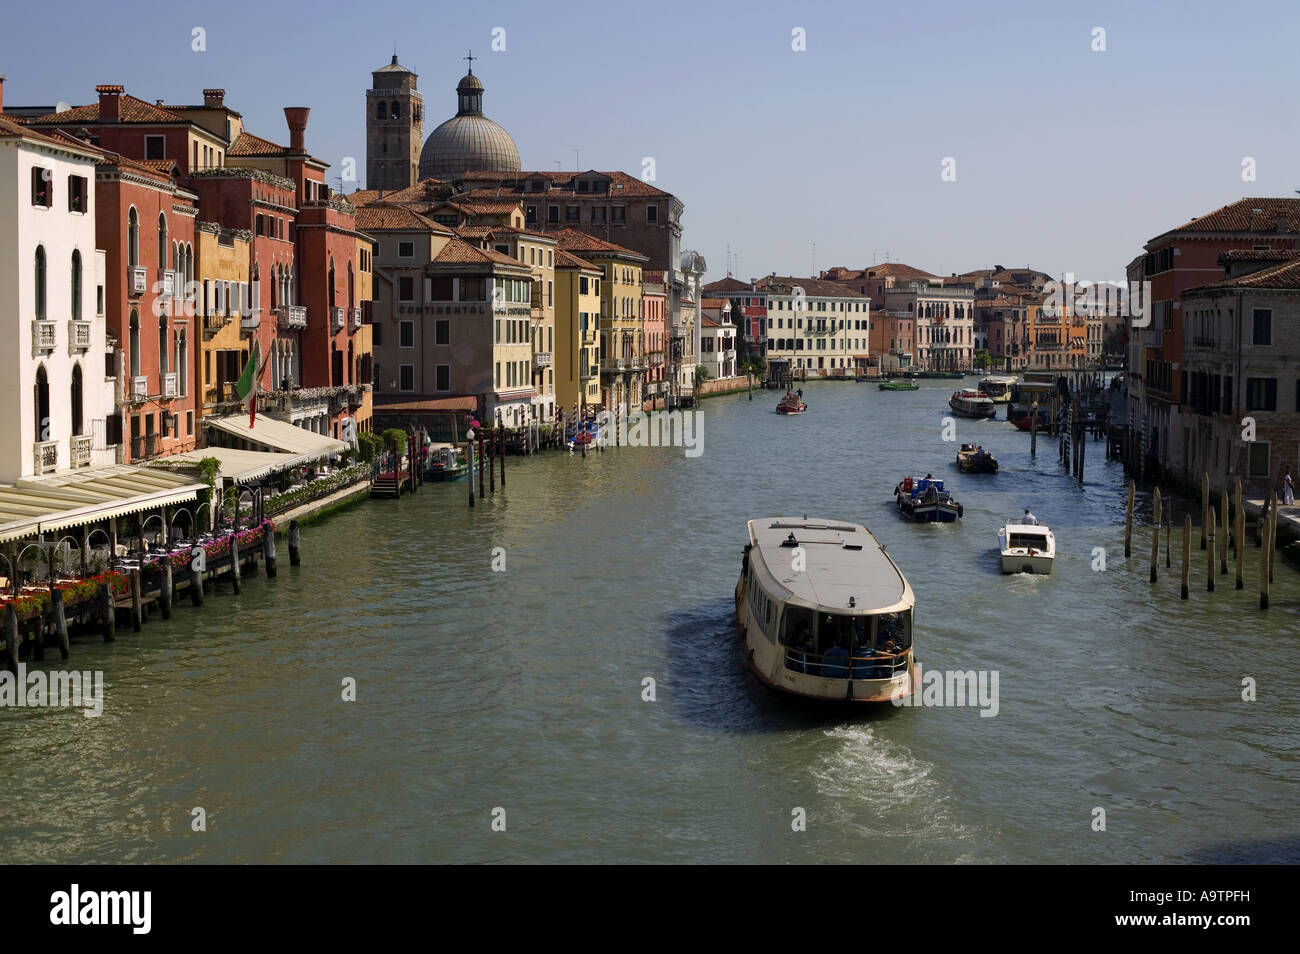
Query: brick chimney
[[214, 98], [296, 116], [2, 92], [1281, 221], [109, 99]]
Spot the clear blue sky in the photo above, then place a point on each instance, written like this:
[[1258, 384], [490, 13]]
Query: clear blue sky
[[1066, 159]]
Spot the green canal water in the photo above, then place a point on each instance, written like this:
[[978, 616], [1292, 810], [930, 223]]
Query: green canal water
[[523, 690]]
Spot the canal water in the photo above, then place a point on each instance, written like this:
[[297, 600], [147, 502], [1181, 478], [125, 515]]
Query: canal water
[[519, 694]]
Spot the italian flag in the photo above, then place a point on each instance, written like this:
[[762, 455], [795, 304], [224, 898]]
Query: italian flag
[[246, 387]]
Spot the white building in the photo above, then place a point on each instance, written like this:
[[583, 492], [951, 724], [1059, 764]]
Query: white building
[[822, 327], [718, 345], [57, 388]]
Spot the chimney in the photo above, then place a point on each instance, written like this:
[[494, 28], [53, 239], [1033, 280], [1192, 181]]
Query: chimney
[[214, 98], [297, 119], [1280, 221], [109, 99], [2, 92]]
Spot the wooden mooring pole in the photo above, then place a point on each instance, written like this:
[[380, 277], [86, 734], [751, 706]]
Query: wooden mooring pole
[[1263, 566], [268, 552], [492, 462], [108, 612], [234, 563], [295, 557], [1205, 508], [137, 616], [1209, 554], [1155, 534], [196, 576], [1272, 531], [1033, 429], [1128, 521], [12, 638], [503, 459], [1223, 544], [60, 620], [165, 593], [1241, 545], [1187, 553]]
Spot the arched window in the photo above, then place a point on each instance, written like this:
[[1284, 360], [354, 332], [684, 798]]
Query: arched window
[[162, 240], [397, 111], [162, 344], [182, 363], [40, 283], [132, 238], [275, 287], [259, 224], [76, 285], [383, 110], [76, 400], [351, 289], [332, 295], [42, 406], [134, 344]]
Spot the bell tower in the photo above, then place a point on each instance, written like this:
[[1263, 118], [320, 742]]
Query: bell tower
[[394, 128]]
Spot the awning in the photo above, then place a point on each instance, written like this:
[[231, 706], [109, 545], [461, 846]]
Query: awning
[[449, 404], [276, 435], [237, 465], [35, 505]]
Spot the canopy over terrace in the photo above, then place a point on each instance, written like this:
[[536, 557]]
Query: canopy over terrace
[[436, 416], [237, 466], [268, 433], [36, 505]]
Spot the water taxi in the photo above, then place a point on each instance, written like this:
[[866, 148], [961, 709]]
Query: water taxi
[[998, 387], [973, 459], [1023, 396], [824, 612], [925, 501], [444, 463], [1026, 548], [969, 402], [791, 404]]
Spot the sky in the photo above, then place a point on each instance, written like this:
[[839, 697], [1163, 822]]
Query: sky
[[1065, 156]]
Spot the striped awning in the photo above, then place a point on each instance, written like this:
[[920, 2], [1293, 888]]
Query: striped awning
[[238, 466], [268, 433], [35, 505]]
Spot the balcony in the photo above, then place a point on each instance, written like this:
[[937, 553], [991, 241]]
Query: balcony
[[78, 336], [79, 450], [139, 388], [214, 323], [250, 322], [144, 446], [1203, 342], [137, 280], [614, 365], [655, 359], [171, 384], [356, 317], [337, 319], [42, 337], [168, 283], [292, 316], [45, 457], [542, 359]]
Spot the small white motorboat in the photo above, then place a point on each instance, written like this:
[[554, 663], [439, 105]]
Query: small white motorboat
[[1026, 548]]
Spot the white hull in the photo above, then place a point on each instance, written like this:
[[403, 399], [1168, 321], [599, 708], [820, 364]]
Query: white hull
[[1013, 562], [1027, 548]]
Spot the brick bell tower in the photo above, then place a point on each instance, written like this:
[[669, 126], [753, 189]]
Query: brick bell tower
[[394, 128]]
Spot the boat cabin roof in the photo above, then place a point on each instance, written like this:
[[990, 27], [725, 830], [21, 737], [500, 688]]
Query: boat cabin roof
[[999, 379], [1027, 528], [843, 562]]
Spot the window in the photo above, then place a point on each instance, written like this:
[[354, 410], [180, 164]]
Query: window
[[406, 289], [376, 334], [76, 285], [1258, 465], [406, 377], [41, 297], [442, 377], [162, 241], [571, 213], [652, 214], [550, 294], [1263, 321], [598, 214], [405, 249], [619, 215], [530, 214], [155, 147], [406, 334], [396, 111], [1261, 394], [76, 193], [382, 111], [552, 213], [132, 238], [42, 186], [442, 333]]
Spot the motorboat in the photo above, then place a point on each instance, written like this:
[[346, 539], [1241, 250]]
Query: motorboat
[[444, 463], [791, 404], [998, 387], [925, 500], [1026, 548], [974, 459], [968, 402]]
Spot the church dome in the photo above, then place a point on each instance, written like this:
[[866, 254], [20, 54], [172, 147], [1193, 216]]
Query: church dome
[[469, 141]]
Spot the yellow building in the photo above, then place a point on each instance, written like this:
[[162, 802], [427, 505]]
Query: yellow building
[[537, 251], [221, 313], [364, 372], [577, 331], [622, 340]]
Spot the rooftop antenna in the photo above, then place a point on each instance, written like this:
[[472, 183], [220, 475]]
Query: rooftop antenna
[[577, 167], [814, 271]]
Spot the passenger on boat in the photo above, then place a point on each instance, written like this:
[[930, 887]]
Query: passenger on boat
[[835, 662], [1030, 519]]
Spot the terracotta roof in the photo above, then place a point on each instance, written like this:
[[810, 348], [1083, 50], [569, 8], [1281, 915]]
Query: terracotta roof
[[565, 259], [474, 231], [575, 241], [726, 285], [487, 207], [165, 166], [249, 145], [129, 110], [896, 270], [1249, 255], [1246, 215], [817, 287], [1284, 275], [12, 129], [428, 404], [460, 252], [631, 185], [1002, 301], [424, 192], [386, 218]]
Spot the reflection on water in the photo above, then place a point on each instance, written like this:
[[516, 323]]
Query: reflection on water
[[523, 689]]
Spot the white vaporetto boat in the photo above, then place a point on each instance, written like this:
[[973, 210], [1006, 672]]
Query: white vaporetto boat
[[1026, 548], [998, 387], [971, 403], [824, 612]]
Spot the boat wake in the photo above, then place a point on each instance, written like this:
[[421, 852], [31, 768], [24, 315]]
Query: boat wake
[[877, 788]]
